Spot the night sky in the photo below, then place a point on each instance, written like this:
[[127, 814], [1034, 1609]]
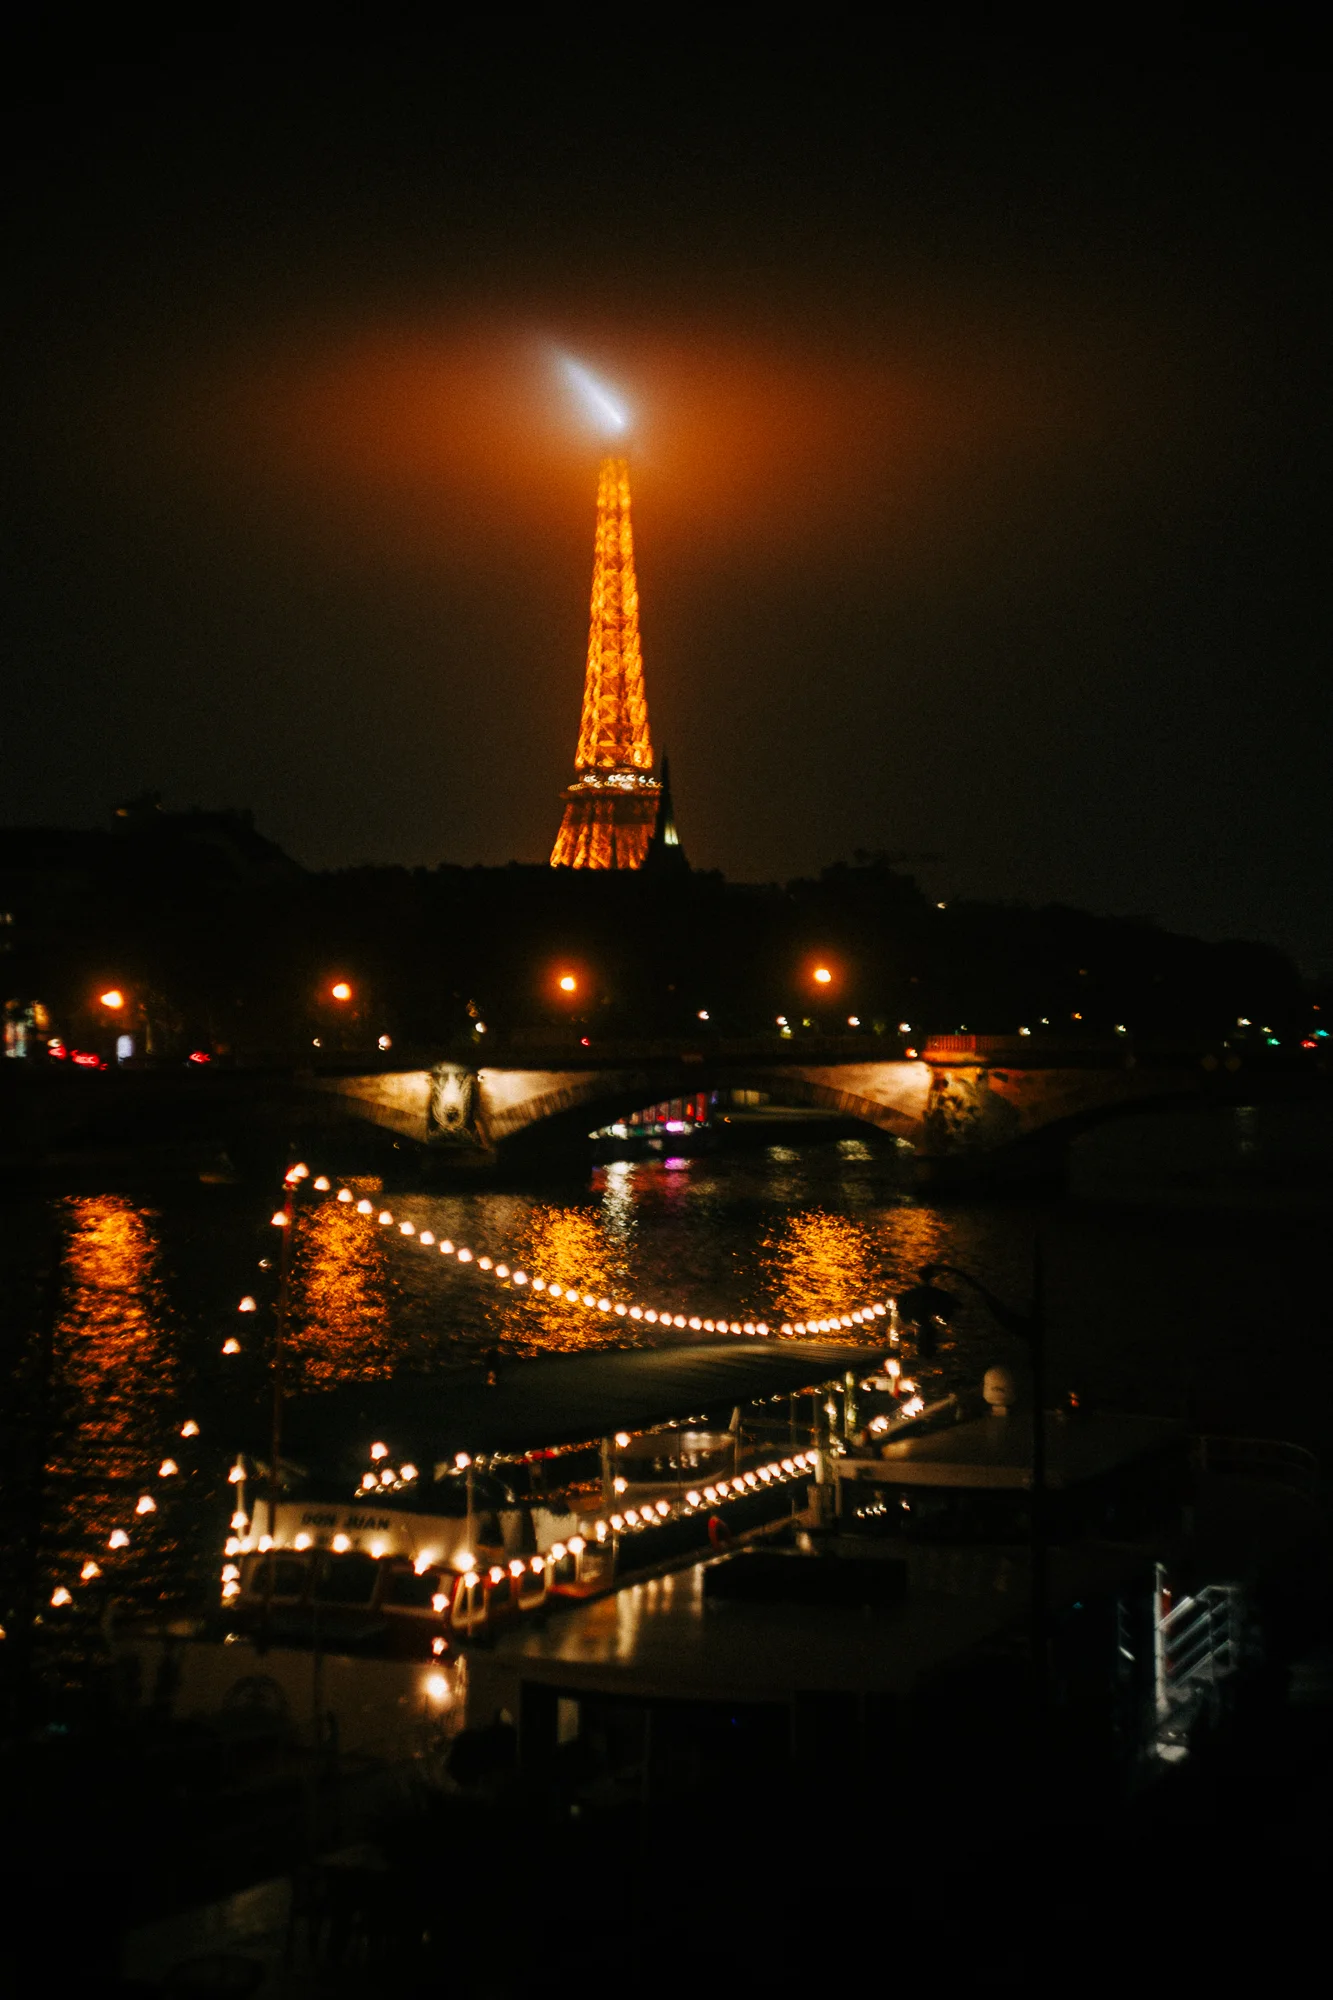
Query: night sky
[[980, 457]]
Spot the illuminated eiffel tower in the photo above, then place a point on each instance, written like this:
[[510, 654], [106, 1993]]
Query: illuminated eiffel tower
[[611, 809]]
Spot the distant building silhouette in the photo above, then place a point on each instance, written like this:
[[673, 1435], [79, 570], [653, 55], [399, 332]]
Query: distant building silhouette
[[665, 855]]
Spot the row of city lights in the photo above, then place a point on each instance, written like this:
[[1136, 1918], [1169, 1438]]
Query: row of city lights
[[567, 983]]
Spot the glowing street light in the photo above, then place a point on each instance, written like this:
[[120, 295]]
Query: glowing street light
[[341, 990], [568, 983], [112, 998], [822, 976]]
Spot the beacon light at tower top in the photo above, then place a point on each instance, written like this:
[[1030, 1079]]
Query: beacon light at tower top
[[600, 405]]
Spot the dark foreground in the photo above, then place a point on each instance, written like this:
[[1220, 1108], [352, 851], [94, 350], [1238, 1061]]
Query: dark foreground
[[491, 1880]]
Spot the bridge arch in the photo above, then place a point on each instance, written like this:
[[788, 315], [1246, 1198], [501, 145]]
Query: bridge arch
[[557, 1107], [969, 1116]]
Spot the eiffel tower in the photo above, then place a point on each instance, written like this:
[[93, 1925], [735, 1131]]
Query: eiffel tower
[[611, 809]]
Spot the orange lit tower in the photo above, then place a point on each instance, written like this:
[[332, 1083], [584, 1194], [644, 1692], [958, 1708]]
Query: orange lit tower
[[611, 807]]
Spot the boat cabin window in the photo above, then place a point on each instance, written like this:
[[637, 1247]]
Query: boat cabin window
[[348, 1579], [453, 1497], [288, 1579], [677, 1455], [938, 1514], [1126, 1501], [403, 1587]]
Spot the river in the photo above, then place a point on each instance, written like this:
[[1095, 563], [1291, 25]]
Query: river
[[1215, 1312]]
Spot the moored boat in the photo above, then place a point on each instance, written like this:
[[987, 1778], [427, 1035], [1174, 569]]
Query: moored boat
[[410, 1559]]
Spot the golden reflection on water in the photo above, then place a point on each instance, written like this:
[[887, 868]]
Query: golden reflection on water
[[339, 1319], [905, 1240], [116, 1374], [567, 1247], [818, 1263]]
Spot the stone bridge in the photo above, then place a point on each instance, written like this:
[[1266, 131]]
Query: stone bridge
[[971, 1105]]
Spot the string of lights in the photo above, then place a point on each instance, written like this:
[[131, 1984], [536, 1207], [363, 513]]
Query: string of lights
[[120, 1537], [523, 1284]]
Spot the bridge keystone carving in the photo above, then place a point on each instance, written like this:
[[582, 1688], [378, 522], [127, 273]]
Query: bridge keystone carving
[[453, 1106]]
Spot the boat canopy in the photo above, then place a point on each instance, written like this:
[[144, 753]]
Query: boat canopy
[[553, 1400]]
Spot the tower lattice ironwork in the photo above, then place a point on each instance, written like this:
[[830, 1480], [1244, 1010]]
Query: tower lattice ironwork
[[611, 807]]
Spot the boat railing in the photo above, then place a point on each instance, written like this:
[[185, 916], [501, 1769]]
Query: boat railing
[[471, 1608], [1201, 1637], [520, 1585], [1272, 1459], [1202, 1645], [532, 1584]]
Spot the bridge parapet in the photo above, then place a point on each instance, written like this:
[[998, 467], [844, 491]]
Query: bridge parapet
[[1039, 1051], [970, 1106]]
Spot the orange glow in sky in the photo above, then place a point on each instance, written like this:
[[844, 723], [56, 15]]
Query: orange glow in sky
[[419, 443]]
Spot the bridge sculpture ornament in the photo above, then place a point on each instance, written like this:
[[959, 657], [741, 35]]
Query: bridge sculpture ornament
[[966, 1114], [452, 1107]]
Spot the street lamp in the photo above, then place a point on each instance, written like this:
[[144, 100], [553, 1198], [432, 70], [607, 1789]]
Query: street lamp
[[112, 998], [340, 990], [568, 983], [822, 976]]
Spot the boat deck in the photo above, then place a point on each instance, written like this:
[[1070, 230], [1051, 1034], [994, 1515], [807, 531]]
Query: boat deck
[[666, 1638]]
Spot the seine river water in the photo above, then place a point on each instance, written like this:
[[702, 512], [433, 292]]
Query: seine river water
[[1216, 1311]]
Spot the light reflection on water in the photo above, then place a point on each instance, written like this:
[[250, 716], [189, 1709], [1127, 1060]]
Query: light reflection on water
[[117, 1379], [818, 1262], [341, 1325], [757, 1238], [568, 1247]]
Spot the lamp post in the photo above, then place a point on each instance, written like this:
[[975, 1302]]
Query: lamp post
[[567, 991], [823, 979], [285, 1220], [926, 1301], [119, 1012], [338, 1014]]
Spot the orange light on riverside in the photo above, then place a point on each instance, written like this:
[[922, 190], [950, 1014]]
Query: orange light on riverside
[[341, 990], [822, 976], [112, 998], [568, 983]]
